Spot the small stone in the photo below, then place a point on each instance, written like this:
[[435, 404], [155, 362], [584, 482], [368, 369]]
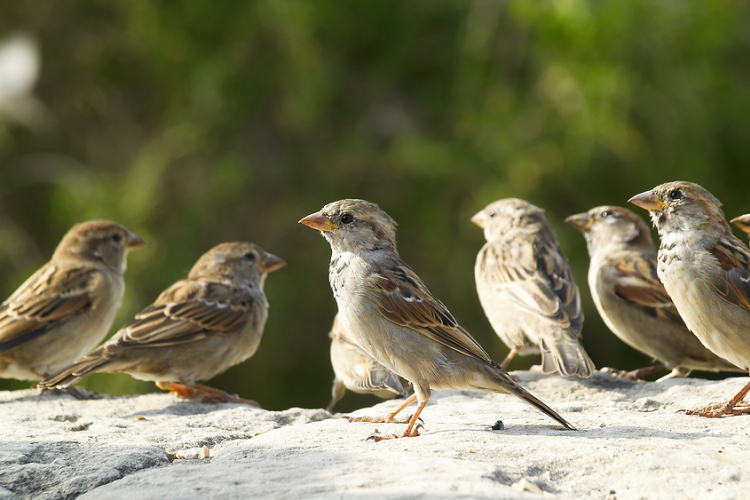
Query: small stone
[[498, 426]]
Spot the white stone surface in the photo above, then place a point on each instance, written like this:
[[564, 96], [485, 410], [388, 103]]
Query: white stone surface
[[631, 444]]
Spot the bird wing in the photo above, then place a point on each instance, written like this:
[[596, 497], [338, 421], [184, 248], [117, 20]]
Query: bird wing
[[535, 276], [188, 311], [406, 301], [733, 285], [49, 297], [637, 282]]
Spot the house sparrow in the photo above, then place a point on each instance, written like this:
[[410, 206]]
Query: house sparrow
[[67, 307], [742, 222], [630, 298], [357, 371], [706, 271], [391, 314], [527, 289], [195, 330]]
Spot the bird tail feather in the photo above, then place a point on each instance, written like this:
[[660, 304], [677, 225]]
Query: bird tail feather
[[75, 372], [567, 358], [505, 384]]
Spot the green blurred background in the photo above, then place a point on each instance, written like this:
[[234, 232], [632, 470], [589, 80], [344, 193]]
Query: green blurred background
[[198, 122]]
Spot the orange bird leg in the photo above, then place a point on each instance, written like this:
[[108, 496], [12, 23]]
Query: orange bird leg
[[389, 418], [411, 429], [203, 393], [509, 358], [721, 409]]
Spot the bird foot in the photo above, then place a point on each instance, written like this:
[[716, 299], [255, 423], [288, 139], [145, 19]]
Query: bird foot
[[629, 375], [717, 410], [80, 393], [408, 433], [383, 419], [204, 394]]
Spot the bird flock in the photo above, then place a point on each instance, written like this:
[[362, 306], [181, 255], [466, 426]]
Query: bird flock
[[687, 305]]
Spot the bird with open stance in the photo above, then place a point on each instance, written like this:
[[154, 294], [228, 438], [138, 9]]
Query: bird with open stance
[[706, 271], [630, 298], [358, 371], [389, 312], [195, 330], [68, 306], [527, 288]]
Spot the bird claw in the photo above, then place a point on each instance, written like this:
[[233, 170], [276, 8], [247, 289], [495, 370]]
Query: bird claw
[[413, 433], [717, 410], [632, 375]]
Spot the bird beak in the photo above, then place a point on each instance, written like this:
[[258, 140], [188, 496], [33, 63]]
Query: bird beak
[[318, 221], [133, 241], [742, 222], [582, 222], [647, 200], [480, 219], [271, 263]]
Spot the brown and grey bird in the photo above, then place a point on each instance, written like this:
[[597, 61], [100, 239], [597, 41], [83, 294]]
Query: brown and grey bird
[[706, 271], [527, 289], [195, 330], [67, 307], [742, 222], [358, 371], [391, 314], [630, 298]]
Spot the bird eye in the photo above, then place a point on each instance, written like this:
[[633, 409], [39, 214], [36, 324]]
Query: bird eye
[[250, 256], [492, 213], [347, 218], [675, 194], [117, 237], [606, 213]]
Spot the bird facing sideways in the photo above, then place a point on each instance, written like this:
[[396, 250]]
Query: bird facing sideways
[[391, 314], [706, 271], [527, 289], [195, 330], [357, 371], [68, 306], [630, 298]]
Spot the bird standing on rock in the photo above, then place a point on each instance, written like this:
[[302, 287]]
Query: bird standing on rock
[[357, 371], [195, 330], [392, 315], [527, 289], [706, 271], [630, 298], [67, 307]]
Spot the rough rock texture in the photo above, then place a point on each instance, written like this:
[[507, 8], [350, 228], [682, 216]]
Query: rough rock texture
[[631, 443]]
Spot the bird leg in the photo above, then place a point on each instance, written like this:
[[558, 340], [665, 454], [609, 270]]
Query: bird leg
[[635, 374], [412, 430], [336, 394], [733, 407], [509, 357], [677, 372], [204, 393], [390, 418]]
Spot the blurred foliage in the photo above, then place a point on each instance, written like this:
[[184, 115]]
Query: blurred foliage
[[198, 122]]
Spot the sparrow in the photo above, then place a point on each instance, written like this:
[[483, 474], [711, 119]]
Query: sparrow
[[389, 312], [630, 298], [196, 329], [742, 222], [527, 289], [357, 371], [68, 306], [706, 271]]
